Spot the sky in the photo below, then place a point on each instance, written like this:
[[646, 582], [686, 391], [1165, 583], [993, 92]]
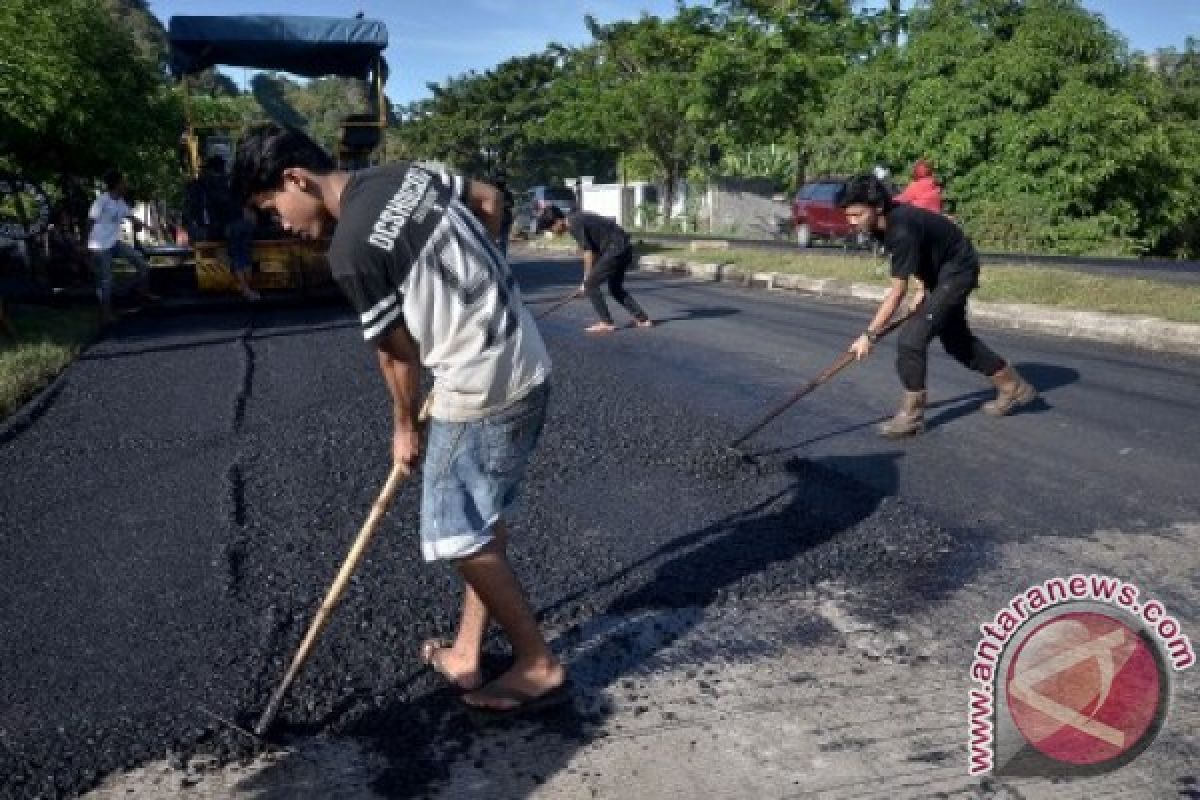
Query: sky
[[431, 41]]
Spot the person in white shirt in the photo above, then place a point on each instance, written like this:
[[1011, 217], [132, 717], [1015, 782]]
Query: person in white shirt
[[104, 241]]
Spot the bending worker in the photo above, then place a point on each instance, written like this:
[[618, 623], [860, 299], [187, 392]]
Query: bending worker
[[607, 256], [933, 250]]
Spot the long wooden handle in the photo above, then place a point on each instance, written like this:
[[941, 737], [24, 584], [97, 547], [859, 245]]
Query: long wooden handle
[[334, 595], [843, 361], [559, 304]]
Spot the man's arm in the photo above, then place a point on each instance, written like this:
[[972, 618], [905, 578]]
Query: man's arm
[[918, 296], [400, 363], [487, 203], [93, 214], [589, 261], [891, 301]]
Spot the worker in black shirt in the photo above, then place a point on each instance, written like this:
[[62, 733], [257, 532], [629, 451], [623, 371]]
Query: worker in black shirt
[[933, 250], [607, 255]]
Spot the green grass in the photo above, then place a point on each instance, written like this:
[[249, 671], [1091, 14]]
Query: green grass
[[48, 340], [998, 284]]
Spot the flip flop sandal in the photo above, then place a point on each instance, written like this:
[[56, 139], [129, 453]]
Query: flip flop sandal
[[429, 657], [523, 703]]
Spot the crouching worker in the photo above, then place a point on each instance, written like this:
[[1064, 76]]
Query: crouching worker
[[607, 256], [431, 290], [932, 250]]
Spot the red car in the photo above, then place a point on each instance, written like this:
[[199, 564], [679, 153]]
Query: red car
[[816, 215]]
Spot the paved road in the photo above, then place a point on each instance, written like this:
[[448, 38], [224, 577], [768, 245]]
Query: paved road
[[173, 515]]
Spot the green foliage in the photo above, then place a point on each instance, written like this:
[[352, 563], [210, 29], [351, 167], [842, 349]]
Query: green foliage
[[638, 87], [1180, 215], [148, 33], [491, 124], [212, 83], [775, 162], [1041, 124], [765, 77], [223, 112], [1047, 133], [77, 97]]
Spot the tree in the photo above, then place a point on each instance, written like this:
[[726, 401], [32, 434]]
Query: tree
[[637, 87], [1180, 77], [764, 79], [77, 97], [1041, 122], [148, 33], [492, 124], [212, 83]]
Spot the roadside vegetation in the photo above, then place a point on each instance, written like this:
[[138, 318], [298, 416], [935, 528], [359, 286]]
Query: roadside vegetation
[[1049, 133], [999, 283], [48, 339]]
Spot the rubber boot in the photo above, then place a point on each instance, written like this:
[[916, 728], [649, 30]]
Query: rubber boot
[[1012, 392], [909, 420]]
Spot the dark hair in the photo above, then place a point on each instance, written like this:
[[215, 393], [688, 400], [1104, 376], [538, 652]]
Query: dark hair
[[112, 178], [549, 215], [866, 190], [266, 151]]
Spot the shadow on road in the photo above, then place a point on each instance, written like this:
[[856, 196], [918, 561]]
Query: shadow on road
[[697, 313], [817, 529], [1045, 378]]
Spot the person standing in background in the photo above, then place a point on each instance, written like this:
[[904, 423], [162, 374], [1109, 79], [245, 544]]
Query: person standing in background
[[924, 191]]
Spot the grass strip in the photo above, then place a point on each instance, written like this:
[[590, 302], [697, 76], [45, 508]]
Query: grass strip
[[48, 339], [1043, 286]]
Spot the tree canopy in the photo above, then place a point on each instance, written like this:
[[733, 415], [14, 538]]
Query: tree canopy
[[78, 95], [495, 124], [1047, 132], [638, 88]]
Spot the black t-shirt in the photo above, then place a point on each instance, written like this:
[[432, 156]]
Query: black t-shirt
[[928, 245], [596, 233]]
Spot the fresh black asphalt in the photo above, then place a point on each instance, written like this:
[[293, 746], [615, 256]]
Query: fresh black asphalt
[[172, 516]]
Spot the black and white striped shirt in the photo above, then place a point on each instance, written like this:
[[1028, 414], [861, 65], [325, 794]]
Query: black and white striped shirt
[[407, 250]]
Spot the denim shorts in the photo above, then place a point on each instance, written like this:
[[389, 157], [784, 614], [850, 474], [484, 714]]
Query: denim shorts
[[472, 476]]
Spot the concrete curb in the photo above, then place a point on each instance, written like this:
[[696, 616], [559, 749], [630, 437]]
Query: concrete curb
[[1150, 333]]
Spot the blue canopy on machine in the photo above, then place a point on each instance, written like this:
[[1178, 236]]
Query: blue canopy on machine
[[306, 46]]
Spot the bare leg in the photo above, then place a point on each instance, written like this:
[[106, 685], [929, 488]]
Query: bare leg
[[535, 669], [459, 663], [605, 325]]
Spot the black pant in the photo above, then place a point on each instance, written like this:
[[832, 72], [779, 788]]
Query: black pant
[[943, 314], [611, 267]]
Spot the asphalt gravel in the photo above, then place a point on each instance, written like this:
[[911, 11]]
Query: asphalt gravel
[[174, 515]]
